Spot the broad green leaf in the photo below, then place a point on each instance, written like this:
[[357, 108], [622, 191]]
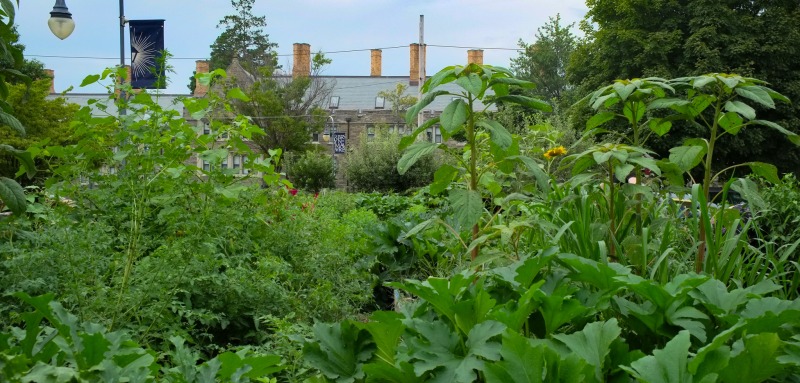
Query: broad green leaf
[[731, 122], [686, 317], [686, 157], [668, 365], [558, 310], [741, 108], [793, 137], [660, 126], [621, 171], [411, 114], [444, 76], [13, 196], [442, 178], [623, 90], [413, 154], [12, 122], [25, 159], [754, 360], [528, 102], [90, 79], [499, 135], [339, 350], [406, 141], [385, 328], [542, 178], [633, 111], [593, 343], [525, 363], [702, 81], [472, 83], [756, 93], [599, 119], [768, 171], [382, 372], [453, 117], [601, 156], [467, 206], [662, 103], [435, 351], [237, 94]]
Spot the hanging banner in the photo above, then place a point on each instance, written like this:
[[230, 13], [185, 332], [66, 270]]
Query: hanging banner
[[147, 44], [339, 143]]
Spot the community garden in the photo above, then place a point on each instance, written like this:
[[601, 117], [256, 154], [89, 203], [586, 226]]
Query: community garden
[[537, 253]]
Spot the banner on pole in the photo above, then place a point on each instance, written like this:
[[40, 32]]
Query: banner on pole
[[339, 143], [147, 45]]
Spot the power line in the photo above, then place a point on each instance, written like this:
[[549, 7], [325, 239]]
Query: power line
[[285, 54]]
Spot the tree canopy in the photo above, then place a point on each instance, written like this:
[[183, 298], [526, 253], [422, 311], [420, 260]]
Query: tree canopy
[[244, 38], [544, 62], [756, 38]]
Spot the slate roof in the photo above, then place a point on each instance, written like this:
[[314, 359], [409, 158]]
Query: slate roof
[[354, 92], [359, 92]]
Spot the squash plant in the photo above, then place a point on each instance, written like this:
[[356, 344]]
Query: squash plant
[[481, 88], [559, 317]]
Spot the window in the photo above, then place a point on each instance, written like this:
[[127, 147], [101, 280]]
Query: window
[[237, 162], [370, 132], [206, 128], [437, 133], [391, 129], [380, 102], [224, 163], [206, 165], [244, 161]]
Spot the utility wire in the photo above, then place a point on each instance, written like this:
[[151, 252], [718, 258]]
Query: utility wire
[[286, 54]]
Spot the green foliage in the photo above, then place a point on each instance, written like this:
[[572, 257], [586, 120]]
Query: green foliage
[[243, 38], [673, 39], [399, 99], [313, 172], [286, 109], [779, 219], [44, 120], [488, 327], [372, 166], [55, 347], [481, 131], [544, 62]]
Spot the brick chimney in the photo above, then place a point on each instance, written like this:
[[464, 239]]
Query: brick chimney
[[302, 60], [375, 63], [52, 74], [413, 76], [475, 56], [200, 90]]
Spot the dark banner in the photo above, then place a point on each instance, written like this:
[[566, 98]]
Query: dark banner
[[339, 143], [147, 44]]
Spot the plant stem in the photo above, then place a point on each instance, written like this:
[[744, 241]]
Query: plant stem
[[473, 169]]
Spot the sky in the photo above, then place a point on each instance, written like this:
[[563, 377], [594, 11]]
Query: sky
[[327, 25]]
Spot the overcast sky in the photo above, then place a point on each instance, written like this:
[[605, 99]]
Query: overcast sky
[[327, 25]]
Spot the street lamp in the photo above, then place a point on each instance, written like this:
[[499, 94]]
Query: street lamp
[[62, 25], [60, 22]]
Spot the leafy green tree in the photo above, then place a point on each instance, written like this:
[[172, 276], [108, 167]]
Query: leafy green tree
[[285, 108], [544, 62], [244, 38], [43, 120], [313, 172], [399, 100], [669, 39]]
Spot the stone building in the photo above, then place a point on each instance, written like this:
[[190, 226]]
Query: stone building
[[353, 104]]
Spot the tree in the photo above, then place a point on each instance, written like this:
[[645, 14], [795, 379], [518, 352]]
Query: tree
[[545, 61], [285, 108], [44, 120], [399, 100], [243, 38], [754, 38]]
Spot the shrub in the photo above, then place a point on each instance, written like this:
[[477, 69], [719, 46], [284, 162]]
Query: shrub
[[312, 172], [372, 166], [782, 214]]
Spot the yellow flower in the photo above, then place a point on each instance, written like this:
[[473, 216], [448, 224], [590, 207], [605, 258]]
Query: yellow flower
[[555, 152]]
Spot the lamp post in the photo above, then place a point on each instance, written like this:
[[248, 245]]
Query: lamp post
[[62, 25], [332, 134]]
